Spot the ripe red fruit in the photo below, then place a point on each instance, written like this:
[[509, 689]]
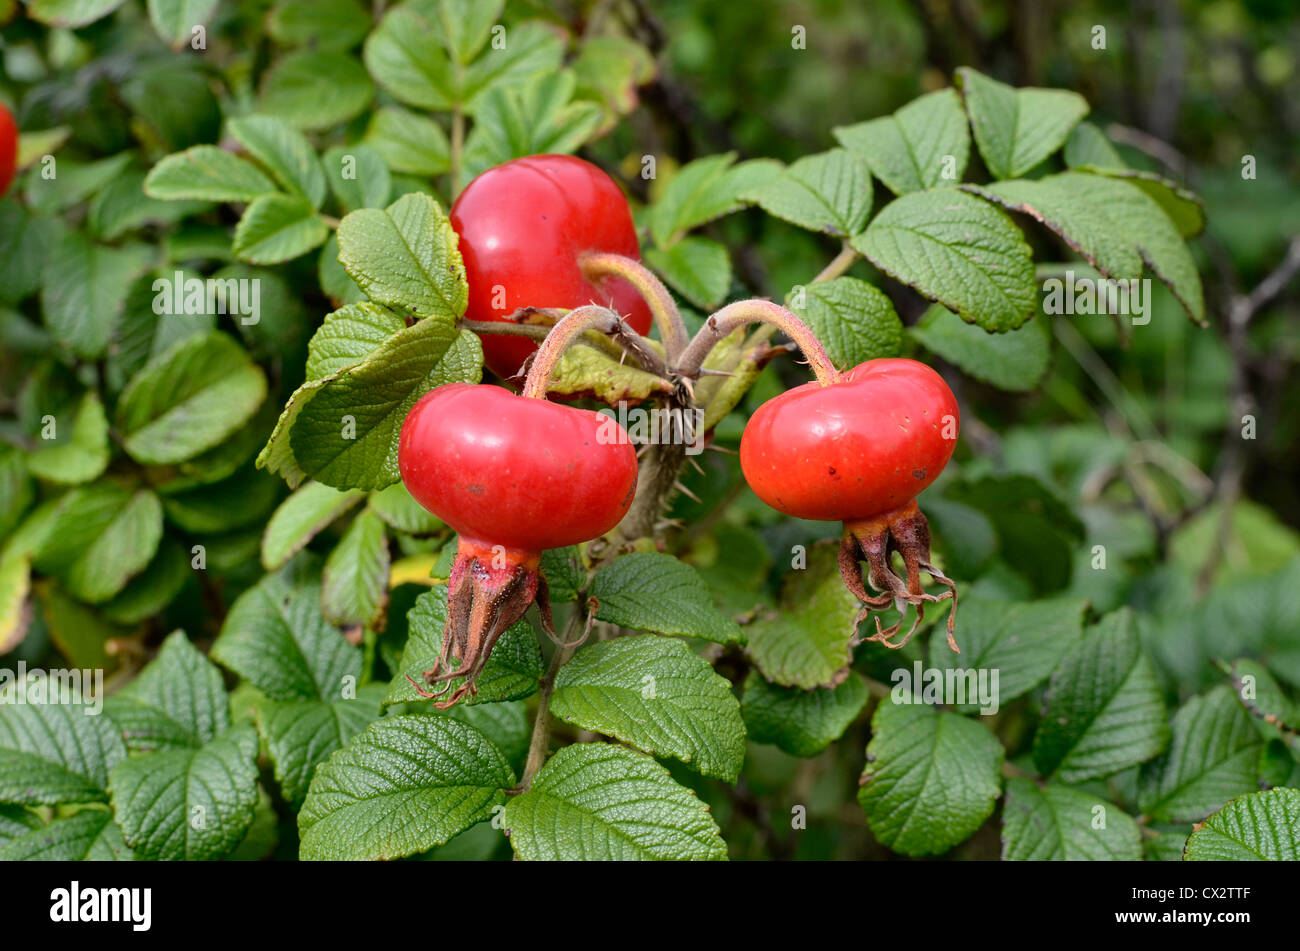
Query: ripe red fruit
[[8, 148], [859, 451], [523, 226], [513, 476]]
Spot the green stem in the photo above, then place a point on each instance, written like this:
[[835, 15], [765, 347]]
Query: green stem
[[839, 264], [541, 739], [667, 318]]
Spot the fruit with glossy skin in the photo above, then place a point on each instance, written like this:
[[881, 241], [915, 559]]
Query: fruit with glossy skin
[[513, 476], [8, 148], [523, 226], [861, 447], [859, 451]]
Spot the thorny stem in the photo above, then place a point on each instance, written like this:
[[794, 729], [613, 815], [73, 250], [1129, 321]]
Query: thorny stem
[[745, 312], [569, 328], [662, 306]]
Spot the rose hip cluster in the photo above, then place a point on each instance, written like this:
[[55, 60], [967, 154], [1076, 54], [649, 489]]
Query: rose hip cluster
[[516, 474]]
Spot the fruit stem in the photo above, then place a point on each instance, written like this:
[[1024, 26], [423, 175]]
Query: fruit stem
[[566, 330], [745, 312], [598, 264]]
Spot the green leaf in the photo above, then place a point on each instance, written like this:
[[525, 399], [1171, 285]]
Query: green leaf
[[1016, 129], [1088, 145], [335, 282], [957, 250], [285, 152], [1057, 823], [358, 176], [830, 192], [409, 142], [244, 498], [300, 518], [1212, 758], [175, 20], [924, 144], [1104, 710], [123, 206], [320, 24], [525, 52], [316, 89], [652, 592], [697, 268], [101, 537], [355, 580], [1037, 532], [302, 734], [1259, 693], [801, 722], [183, 687], [804, 642], [1262, 825], [346, 434], [348, 336], [512, 669], [609, 70], [655, 694], [1015, 362], [1023, 642], [75, 182], [149, 592], [406, 784], [466, 24], [853, 319], [1111, 223], [592, 801], [538, 118], [84, 289], [278, 228], [71, 13], [54, 753], [593, 372], [25, 242], [703, 190], [931, 778], [189, 804], [1184, 208], [275, 638], [405, 55], [81, 455], [15, 606], [406, 256], [401, 512], [189, 399], [89, 835]]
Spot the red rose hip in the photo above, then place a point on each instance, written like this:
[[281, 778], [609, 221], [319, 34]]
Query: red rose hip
[[513, 476], [523, 226], [8, 148], [859, 451]]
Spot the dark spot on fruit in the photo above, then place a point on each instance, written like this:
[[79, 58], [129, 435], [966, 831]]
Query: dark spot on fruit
[[830, 470], [475, 489], [918, 473]]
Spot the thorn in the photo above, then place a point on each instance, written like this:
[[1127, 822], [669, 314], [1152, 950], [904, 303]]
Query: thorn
[[698, 468], [685, 491], [705, 372], [714, 447]]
